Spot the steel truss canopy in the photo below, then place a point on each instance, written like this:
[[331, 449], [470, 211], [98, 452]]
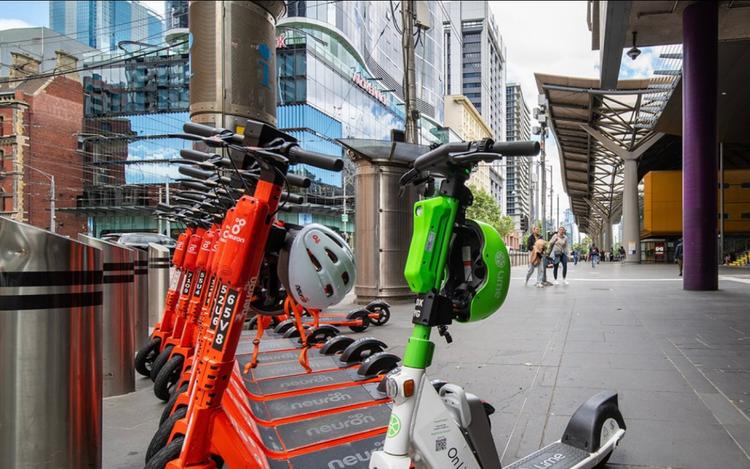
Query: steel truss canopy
[[590, 125]]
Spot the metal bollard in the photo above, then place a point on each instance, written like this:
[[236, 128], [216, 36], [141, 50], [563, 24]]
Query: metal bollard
[[50, 365], [141, 296], [118, 319], [158, 280]]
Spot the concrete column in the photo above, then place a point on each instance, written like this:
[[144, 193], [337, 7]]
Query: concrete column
[[630, 219], [607, 235], [699, 141]]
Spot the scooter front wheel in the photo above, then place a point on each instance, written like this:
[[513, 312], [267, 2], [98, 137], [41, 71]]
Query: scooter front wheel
[[161, 437], [160, 361], [168, 377], [166, 454], [144, 358]]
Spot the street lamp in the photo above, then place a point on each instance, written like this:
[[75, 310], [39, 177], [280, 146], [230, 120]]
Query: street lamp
[[52, 218]]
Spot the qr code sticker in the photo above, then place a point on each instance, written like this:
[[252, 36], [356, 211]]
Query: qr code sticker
[[440, 444]]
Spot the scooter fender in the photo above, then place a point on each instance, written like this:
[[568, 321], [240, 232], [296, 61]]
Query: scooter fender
[[436, 436]]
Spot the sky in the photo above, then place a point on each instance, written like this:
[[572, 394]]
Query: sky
[[24, 14], [554, 38]]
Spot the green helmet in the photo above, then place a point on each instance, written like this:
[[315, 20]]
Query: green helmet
[[478, 271]]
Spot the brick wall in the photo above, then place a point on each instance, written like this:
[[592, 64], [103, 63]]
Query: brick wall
[[54, 121]]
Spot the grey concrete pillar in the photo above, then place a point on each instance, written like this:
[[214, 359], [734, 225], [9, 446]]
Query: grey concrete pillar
[[699, 142], [607, 235], [631, 223]]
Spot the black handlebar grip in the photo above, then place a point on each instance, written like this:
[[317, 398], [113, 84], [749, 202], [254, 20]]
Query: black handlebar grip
[[195, 155], [195, 185], [442, 152], [195, 172], [208, 131], [297, 180], [318, 160], [192, 196], [292, 198], [527, 148]]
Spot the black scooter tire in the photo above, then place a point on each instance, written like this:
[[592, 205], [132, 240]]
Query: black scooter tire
[[170, 405], [166, 454], [146, 355], [160, 438], [168, 377], [160, 361]]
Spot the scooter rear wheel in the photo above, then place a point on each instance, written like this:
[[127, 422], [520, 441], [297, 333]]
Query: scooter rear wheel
[[146, 355], [160, 361]]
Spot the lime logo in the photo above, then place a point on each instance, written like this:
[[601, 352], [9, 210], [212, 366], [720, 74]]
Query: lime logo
[[499, 259], [394, 426]]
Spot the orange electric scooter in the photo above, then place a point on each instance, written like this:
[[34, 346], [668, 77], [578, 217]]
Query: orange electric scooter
[[148, 353], [211, 429]]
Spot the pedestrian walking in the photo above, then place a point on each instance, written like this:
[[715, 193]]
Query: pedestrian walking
[[594, 256], [622, 253], [558, 249], [576, 254], [536, 258], [678, 254], [533, 237]]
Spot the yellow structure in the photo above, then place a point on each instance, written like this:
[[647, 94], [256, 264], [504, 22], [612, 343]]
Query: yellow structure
[[465, 120], [662, 203]]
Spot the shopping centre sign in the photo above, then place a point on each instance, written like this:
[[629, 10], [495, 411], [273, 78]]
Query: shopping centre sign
[[368, 87]]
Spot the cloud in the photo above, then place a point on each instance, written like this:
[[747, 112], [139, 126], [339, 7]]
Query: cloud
[[12, 23], [546, 37]]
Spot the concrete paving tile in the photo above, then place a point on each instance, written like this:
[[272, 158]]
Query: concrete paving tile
[[657, 443], [616, 361], [649, 380]]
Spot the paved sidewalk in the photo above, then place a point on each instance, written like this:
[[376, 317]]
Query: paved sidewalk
[[680, 361]]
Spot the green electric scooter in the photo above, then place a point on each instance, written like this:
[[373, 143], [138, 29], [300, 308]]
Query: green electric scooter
[[460, 271]]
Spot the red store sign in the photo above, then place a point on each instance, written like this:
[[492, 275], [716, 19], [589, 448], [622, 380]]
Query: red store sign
[[368, 87]]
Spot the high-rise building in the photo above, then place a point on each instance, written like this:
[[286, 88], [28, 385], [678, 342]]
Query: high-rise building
[[462, 117], [475, 67], [518, 170], [105, 24], [340, 75]]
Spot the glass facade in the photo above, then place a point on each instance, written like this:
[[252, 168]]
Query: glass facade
[[105, 24]]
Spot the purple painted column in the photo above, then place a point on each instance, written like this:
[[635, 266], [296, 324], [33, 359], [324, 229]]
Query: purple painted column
[[699, 146]]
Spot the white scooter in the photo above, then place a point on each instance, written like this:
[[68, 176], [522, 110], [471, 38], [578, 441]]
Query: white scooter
[[460, 270]]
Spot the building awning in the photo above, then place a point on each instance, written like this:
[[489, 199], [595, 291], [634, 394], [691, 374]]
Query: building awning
[[592, 174]]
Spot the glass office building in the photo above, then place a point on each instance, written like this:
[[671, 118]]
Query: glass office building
[[345, 59], [105, 24]]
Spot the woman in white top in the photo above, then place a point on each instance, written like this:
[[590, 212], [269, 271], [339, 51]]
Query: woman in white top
[[558, 250]]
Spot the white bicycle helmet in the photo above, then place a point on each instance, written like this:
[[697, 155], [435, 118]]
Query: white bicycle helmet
[[320, 268]]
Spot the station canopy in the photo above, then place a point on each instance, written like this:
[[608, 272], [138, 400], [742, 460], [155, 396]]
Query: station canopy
[[592, 173]]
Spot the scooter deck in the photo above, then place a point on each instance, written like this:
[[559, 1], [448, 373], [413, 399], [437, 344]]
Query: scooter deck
[[315, 402], [558, 455], [267, 345], [296, 435], [299, 382], [287, 368], [355, 454]]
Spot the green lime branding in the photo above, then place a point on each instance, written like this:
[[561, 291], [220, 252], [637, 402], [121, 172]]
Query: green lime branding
[[394, 426]]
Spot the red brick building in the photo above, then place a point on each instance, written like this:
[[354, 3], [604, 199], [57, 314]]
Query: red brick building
[[40, 119]]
